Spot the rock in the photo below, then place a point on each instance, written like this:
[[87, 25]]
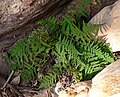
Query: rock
[[104, 84], [110, 17], [80, 89], [19, 17], [107, 82]]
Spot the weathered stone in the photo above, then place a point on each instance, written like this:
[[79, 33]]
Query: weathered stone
[[110, 31], [80, 89], [19, 17], [107, 82]]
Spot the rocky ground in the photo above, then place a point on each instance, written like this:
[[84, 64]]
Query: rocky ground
[[10, 84]]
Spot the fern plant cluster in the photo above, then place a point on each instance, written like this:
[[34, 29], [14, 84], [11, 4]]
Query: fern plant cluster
[[55, 47]]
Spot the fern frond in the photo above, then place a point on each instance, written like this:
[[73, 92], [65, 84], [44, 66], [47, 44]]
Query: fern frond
[[94, 57]]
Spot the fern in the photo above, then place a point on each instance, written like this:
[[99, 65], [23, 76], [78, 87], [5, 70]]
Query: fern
[[50, 79], [88, 55], [24, 56], [55, 47], [94, 58]]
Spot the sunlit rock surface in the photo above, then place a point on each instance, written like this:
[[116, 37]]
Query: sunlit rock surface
[[110, 31], [107, 82]]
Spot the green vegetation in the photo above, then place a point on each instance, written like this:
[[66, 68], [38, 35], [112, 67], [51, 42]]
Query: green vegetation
[[55, 47]]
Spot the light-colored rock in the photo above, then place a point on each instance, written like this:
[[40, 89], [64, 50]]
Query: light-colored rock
[[80, 89], [107, 82], [110, 16], [104, 84]]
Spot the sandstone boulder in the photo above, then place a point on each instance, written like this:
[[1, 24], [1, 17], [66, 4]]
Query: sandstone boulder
[[110, 31], [107, 82]]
